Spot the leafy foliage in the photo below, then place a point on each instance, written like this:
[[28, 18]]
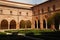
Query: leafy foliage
[[53, 18]]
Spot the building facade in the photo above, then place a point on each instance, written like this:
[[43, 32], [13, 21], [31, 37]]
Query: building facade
[[43, 11], [14, 15]]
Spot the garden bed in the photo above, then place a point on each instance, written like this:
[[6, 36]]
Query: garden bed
[[36, 32]]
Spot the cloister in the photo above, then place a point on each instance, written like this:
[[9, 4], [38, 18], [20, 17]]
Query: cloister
[[12, 24], [15, 15]]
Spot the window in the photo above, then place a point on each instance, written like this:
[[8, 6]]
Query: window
[[1, 11], [20, 13], [42, 10], [34, 12], [27, 14], [38, 11], [49, 9], [53, 7], [11, 12]]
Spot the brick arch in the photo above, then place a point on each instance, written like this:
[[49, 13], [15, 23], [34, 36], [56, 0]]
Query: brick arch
[[22, 24], [4, 24], [38, 23], [12, 24], [44, 23], [28, 24], [35, 24], [46, 16]]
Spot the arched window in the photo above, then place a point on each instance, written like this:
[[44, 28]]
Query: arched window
[[1, 11], [13, 24], [22, 24], [11, 12], [20, 13], [54, 8], [42, 10], [38, 23], [4, 24], [35, 24], [27, 13], [44, 23], [28, 24], [49, 10]]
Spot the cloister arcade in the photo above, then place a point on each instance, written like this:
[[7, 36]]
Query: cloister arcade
[[45, 24], [12, 24]]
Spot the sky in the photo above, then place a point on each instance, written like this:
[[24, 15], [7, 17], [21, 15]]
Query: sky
[[30, 1]]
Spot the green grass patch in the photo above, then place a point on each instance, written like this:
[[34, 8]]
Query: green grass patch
[[36, 32], [2, 33]]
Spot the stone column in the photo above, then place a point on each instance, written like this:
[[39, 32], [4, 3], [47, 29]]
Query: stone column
[[33, 22], [8, 25], [17, 26], [32, 25], [37, 24], [41, 25], [46, 25], [41, 22]]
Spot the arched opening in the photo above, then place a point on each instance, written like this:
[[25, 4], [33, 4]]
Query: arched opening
[[28, 24], [13, 24], [48, 25], [22, 24], [57, 24], [38, 23], [44, 23], [35, 24], [4, 24]]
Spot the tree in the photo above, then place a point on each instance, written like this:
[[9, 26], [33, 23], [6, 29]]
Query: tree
[[54, 19]]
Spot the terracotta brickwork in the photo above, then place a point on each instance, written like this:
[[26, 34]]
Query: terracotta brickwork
[[12, 13], [44, 10]]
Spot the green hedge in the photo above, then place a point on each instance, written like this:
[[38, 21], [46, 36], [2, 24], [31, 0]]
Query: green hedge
[[2, 33], [36, 32]]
